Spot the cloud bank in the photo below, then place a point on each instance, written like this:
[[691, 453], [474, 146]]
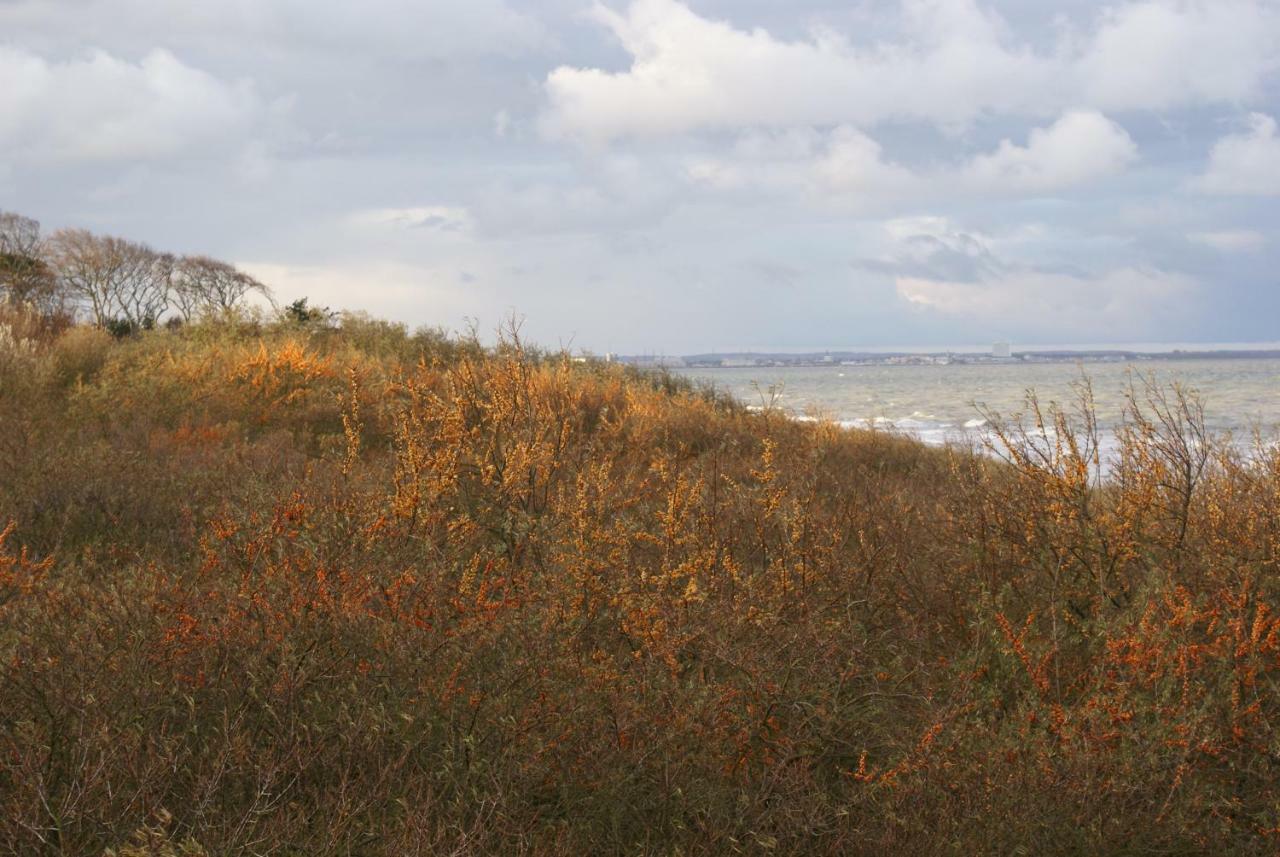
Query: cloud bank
[[673, 175], [100, 108], [953, 61]]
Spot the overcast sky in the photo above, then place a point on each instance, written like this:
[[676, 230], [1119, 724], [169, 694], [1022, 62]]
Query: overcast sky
[[676, 176]]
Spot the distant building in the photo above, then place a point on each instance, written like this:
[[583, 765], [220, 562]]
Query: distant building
[[1001, 351]]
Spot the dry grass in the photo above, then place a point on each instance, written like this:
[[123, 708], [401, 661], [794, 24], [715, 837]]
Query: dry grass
[[274, 590]]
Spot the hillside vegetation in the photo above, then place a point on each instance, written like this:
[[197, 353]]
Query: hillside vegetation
[[322, 588]]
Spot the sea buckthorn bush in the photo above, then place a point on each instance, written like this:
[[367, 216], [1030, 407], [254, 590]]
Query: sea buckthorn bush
[[336, 588]]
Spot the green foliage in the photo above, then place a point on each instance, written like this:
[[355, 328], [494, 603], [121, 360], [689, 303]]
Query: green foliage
[[122, 328], [299, 312]]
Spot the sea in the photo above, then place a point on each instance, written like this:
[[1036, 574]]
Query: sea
[[940, 404]]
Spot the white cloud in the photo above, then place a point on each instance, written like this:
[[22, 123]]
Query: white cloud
[[690, 72], [1231, 241], [843, 164], [1163, 54], [1245, 164], [396, 290], [1080, 147], [959, 275], [1117, 302], [848, 167], [98, 108], [952, 62]]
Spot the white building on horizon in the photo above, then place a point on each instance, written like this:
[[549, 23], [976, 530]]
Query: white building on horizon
[[1001, 351]]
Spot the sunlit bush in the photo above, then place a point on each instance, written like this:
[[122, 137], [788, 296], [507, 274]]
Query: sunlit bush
[[297, 588], [79, 353]]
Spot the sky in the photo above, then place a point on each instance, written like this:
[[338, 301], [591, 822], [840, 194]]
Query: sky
[[679, 176]]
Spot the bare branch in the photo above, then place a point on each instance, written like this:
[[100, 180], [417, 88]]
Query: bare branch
[[112, 278], [25, 277], [204, 286]]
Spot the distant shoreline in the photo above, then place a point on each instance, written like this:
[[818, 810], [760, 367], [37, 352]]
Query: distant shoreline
[[748, 360]]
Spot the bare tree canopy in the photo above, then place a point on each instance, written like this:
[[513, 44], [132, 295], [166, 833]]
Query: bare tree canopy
[[115, 282], [112, 277], [147, 295], [24, 275], [19, 236], [202, 285]]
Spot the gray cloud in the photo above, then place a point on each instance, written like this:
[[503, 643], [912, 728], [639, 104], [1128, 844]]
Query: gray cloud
[[658, 175], [939, 269]]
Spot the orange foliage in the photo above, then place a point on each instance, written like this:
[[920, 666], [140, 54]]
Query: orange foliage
[[505, 602]]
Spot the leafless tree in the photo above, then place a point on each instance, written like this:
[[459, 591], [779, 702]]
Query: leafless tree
[[24, 275], [146, 295], [202, 285], [19, 236], [113, 278]]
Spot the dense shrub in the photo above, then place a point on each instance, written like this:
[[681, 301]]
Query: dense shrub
[[287, 589], [79, 353]]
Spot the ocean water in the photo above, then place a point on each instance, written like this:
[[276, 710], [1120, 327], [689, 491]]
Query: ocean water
[[941, 404]]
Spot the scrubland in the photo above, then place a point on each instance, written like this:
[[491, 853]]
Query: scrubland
[[292, 587]]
